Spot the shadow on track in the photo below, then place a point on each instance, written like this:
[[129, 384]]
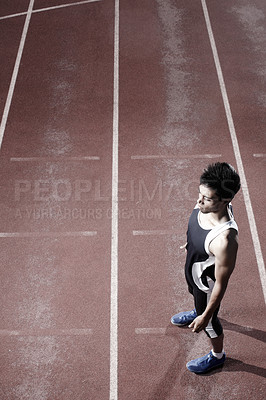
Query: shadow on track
[[232, 364], [165, 386], [252, 332]]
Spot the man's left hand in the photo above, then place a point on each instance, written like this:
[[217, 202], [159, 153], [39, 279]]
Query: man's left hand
[[198, 324]]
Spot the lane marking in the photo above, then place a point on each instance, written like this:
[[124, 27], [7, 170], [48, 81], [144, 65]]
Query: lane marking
[[259, 155], [150, 331], [65, 5], [250, 214], [49, 8], [53, 159], [46, 234], [154, 232], [47, 332], [13, 15], [113, 395], [181, 157], [15, 72]]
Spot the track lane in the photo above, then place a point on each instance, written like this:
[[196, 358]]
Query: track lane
[[55, 277], [10, 37], [175, 81], [243, 61], [16, 6]]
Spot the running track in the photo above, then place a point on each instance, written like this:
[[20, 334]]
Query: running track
[[109, 114]]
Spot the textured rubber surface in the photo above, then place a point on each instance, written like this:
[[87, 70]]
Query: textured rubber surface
[[56, 195]]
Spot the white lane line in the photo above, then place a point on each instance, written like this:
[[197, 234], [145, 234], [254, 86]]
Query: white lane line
[[50, 8], [13, 15], [259, 155], [113, 394], [150, 331], [47, 332], [65, 5], [154, 232], [15, 72], [178, 157], [46, 234], [251, 218], [54, 159]]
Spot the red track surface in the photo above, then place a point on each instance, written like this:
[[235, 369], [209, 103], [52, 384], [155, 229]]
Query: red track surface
[[56, 206]]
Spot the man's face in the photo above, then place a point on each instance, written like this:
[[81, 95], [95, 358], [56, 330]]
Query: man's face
[[208, 200]]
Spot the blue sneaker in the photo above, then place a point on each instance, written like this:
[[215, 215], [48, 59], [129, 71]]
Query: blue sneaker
[[205, 363], [184, 318]]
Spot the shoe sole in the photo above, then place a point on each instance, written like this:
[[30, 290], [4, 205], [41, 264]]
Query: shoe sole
[[180, 325], [208, 370]]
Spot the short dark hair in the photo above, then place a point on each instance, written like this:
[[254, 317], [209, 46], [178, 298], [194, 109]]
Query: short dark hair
[[222, 178]]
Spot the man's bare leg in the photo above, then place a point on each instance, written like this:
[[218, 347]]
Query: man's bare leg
[[217, 343]]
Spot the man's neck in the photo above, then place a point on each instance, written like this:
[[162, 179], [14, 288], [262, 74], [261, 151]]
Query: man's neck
[[211, 219]]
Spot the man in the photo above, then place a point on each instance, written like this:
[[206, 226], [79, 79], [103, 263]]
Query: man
[[212, 243]]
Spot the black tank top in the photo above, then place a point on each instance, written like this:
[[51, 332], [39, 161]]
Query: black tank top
[[199, 267]]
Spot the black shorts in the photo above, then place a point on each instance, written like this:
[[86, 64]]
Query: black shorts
[[201, 299]]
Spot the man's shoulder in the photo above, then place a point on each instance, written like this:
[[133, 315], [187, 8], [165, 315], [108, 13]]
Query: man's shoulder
[[227, 241]]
